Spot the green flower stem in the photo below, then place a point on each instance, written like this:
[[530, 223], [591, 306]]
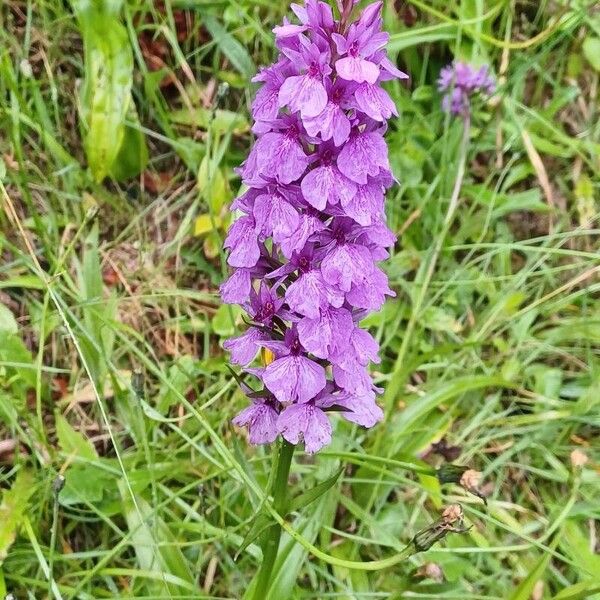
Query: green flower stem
[[271, 537]]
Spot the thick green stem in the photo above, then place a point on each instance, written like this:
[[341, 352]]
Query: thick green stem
[[270, 539]]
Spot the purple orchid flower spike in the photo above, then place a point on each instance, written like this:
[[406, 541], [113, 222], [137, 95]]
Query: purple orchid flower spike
[[311, 226], [460, 81]]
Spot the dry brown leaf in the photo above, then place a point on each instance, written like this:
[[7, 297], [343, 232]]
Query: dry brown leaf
[[538, 165]]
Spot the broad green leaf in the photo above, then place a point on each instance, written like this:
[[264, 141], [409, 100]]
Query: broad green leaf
[[190, 151], [530, 200], [222, 323], [155, 547], [584, 590], [437, 319], [524, 589], [231, 48], [133, 154], [422, 405], [219, 121], [291, 555], [182, 374], [205, 224], [305, 498], [85, 484], [212, 185], [423, 93], [261, 521], [212, 244], [576, 545], [13, 508], [8, 323], [72, 442], [97, 310], [591, 51], [13, 350], [30, 282], [586, 205], [106, 92]]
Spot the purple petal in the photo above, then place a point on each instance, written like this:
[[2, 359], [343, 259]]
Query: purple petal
[[354, 68], [365, 205], [370, 293], [373, 43], [281, 156], [236, 289], [387, 65], [278, 347], [352, 377], [362, 409], [275, 216], [244, 348], [306, 295], [300, 12], [243, 241], [364, 154], [309, 225], [345, 265], [365, 346], [332, 122], [327, 334], [370, 13], [305, 422], [340, 43], [261, 420], [326, 184], [288, 30], [375, 102], [265, 106], [294, 379], [303, 93], [379, 233]]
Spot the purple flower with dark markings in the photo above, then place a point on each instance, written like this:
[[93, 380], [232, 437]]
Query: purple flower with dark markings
[[305, 422], [460, 81], [325, 184], [333, 121], [292, 376], [261, 419], [365, 155], [311, 226], [243, 241], [306, 93]]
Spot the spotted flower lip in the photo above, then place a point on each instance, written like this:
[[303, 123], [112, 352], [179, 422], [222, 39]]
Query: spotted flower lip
[[460, 82], [311, 226]]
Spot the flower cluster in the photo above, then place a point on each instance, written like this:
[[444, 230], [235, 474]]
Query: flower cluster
[[460, 81], [312, 225]]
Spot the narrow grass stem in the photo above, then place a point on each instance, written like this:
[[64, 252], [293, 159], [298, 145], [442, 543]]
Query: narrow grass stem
[[271, 537], [58, 483]]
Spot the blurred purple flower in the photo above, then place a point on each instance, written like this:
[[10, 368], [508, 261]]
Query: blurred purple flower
[[311, 225], [460, 81]]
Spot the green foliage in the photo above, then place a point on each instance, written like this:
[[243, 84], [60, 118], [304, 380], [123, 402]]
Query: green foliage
[[13, 509], [113, 147]]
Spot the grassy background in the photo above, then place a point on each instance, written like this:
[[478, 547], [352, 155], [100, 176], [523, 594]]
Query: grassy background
[[119, 130]]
